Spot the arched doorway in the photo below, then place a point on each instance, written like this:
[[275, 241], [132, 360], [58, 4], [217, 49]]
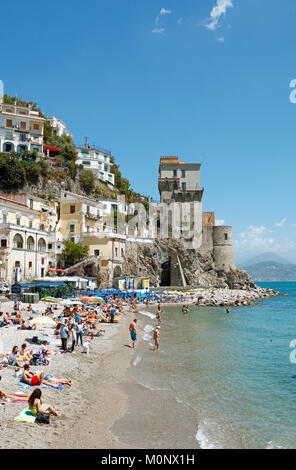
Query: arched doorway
[[8, 147], [21, 148], [117, 271]]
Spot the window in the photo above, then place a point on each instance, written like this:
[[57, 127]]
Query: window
[[122, 252], [116, 252], [175, 172], [50, 246], [23, 125], [42, 227], [30, 224], [72, 209], [42, 260], [225, 236], [183, 186], [36, 127], [97, 252], [30, 244], [183, 173], [8, 123], [17, 264], [18, 241], [41, 245], [30, 264], [18, 220], [31, 203], [4, 218], [72, 228], [4, 243], [175, 186], [86, 163], [88, 228]]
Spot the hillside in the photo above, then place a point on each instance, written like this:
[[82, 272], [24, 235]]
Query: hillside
[[270, 271], [265, 257]]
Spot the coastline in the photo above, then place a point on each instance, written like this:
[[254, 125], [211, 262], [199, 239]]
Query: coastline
[[106, 400]]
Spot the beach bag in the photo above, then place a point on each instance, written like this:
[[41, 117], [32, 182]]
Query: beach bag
[[42, 418], [35, 339]]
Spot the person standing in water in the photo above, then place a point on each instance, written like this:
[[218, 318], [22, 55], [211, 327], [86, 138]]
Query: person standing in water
[[133, 333], [158, 314], [185, 309], [156, 338]]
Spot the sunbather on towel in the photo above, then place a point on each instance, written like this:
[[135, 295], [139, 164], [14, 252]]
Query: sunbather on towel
[[36, 405], [39, 378]]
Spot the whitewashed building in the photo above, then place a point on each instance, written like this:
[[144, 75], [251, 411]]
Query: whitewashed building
[[98, 161], [21, 128]]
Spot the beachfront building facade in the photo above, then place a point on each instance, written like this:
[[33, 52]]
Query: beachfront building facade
[[23, 242], [98, 161], [21, 128], [83, 220]]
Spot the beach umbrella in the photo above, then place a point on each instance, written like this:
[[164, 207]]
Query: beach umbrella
[[71, 302], [90, 299], [51, 300], [44, 321], [99, 299]]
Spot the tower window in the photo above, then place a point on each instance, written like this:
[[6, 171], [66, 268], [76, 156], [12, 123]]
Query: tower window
[[225, 236]]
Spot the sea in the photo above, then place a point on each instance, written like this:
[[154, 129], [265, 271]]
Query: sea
[[218, 381]]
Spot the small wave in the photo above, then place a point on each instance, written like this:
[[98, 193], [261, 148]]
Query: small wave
[[203, 439], [148, 314], [272, 445], [137, 361], [146, 337], [148, 328]]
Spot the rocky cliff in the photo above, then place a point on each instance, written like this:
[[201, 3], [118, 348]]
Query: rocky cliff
[[167, 262]]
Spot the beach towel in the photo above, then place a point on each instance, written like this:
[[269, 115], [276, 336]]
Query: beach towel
[[17, 398], [25, 416], [24, 385]]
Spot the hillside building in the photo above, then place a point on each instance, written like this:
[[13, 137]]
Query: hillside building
[[21, 128]]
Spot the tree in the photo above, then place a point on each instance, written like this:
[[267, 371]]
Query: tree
[[12, 172], [87, 180], [74, 253]]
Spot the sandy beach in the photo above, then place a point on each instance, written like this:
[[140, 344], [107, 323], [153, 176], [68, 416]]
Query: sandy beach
[[88, 408]]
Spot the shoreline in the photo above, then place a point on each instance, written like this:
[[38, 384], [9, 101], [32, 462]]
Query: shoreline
[[97, 411]]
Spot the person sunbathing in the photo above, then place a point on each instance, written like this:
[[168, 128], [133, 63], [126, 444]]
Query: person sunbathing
[[25, 355], [29, 308], [26, 326], [7, 319], [44, 349], [18, 318], [14, 358], [36, 405], [39, 378]]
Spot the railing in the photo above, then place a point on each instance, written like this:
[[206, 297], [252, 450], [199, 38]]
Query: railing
[[94, 147]]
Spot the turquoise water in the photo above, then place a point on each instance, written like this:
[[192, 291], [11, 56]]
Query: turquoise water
[[233, 372]]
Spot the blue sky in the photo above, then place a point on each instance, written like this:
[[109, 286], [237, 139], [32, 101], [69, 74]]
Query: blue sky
[[207, 80]]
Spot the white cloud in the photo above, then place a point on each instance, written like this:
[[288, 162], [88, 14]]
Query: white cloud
[[281, 223], [221, 39], [160, 31], [163, 11], [220, 222], [254, 239], [217, 12]]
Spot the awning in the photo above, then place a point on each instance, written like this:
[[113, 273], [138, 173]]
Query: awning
[[51, 148]]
